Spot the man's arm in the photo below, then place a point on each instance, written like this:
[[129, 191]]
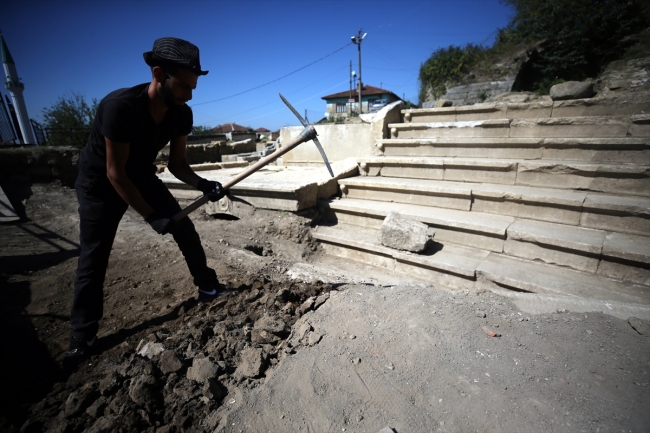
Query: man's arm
[[178, 165], [116, 157]]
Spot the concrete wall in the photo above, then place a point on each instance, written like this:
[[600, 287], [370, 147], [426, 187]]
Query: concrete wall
[[341, 141]]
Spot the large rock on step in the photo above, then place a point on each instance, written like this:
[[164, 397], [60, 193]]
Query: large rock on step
[[572, 90], [402, 233]]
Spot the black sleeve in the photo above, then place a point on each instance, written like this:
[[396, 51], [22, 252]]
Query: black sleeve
[[117, 121], [186, 121]]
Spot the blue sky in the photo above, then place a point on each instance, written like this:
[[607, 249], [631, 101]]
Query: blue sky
[[92, 47]]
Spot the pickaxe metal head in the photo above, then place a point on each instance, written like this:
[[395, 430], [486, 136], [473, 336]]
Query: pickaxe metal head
[[315, 140]]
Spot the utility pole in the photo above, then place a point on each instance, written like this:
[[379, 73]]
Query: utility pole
[[350, 80], [357, 41]]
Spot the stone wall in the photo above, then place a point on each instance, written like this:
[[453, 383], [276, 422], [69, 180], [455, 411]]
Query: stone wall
[[474, 93], [40, 164]]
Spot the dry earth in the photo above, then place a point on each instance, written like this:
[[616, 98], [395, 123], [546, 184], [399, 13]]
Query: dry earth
[[305, 343]]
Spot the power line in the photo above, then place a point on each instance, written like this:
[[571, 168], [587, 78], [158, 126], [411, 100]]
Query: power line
[[274, 101], [296, 103], [273, 81]]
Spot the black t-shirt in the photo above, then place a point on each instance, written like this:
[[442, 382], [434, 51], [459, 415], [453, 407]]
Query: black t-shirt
[[123, 116]]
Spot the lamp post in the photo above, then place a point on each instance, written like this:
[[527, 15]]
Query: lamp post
[[357, 41]]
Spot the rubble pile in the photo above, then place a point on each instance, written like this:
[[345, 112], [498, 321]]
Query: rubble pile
[[176, 378]]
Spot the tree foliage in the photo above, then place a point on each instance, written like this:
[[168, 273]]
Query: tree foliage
[[578, 39], [581, 36], [447, 65], [69, 120], [201, 130]]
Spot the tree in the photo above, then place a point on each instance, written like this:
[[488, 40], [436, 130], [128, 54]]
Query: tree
[[69, 121], [581, 36], [201, 130]]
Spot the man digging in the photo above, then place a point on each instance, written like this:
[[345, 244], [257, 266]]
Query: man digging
[[116, 171]]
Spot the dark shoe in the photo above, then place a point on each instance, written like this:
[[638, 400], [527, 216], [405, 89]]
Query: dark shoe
[[80, 350], [212, 292]]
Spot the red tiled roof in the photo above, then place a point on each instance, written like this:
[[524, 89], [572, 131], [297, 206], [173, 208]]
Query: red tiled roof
[[365, 91], [229, 127], [262, 130]]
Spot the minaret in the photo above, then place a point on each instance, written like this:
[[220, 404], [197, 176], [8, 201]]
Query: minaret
[[15, 87]]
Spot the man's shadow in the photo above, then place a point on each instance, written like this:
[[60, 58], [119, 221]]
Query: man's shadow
[[17, 188]]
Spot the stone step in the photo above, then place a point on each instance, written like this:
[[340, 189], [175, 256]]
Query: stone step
[[272, 187], [474, 229], [450, 265], [577, 208], [618, 106], [459, 267], [500, 271], [627, 179], [544, 127], [606, 150], [578, 248]]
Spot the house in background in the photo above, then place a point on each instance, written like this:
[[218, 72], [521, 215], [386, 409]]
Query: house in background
[[229, 127], [266, 133], [342, 104], [233, 131]]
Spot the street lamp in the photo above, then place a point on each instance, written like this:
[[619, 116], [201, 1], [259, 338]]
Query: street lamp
[[357, 41]]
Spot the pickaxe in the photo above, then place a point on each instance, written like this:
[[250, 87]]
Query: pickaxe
[[309, 133]]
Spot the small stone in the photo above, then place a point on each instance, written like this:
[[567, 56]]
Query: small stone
[[321, 300], [307, 305], [79, 400], [202, 370], [352, 337], [390, 366], [561, 310], [589, 332], [169, 362], [303, 330], [97, 408], [252, 363], [356, 360], [110, 384], [150, 350], [144, 392], [314, 338], [480, 314]]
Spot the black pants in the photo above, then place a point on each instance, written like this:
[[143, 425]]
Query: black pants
[[100, 211]]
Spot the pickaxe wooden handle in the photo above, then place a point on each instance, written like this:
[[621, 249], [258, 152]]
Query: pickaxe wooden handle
[[307, 134]]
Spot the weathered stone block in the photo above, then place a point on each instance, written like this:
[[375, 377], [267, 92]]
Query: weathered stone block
[[404, 233], [572, 90]]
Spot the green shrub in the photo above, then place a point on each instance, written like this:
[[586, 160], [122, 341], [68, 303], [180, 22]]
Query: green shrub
[[447, 65]]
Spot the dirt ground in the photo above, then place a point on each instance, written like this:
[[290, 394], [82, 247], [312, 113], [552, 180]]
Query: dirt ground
[[305, 342]]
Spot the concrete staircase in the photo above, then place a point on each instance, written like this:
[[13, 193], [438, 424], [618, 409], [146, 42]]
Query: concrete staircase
[[546, 197]]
